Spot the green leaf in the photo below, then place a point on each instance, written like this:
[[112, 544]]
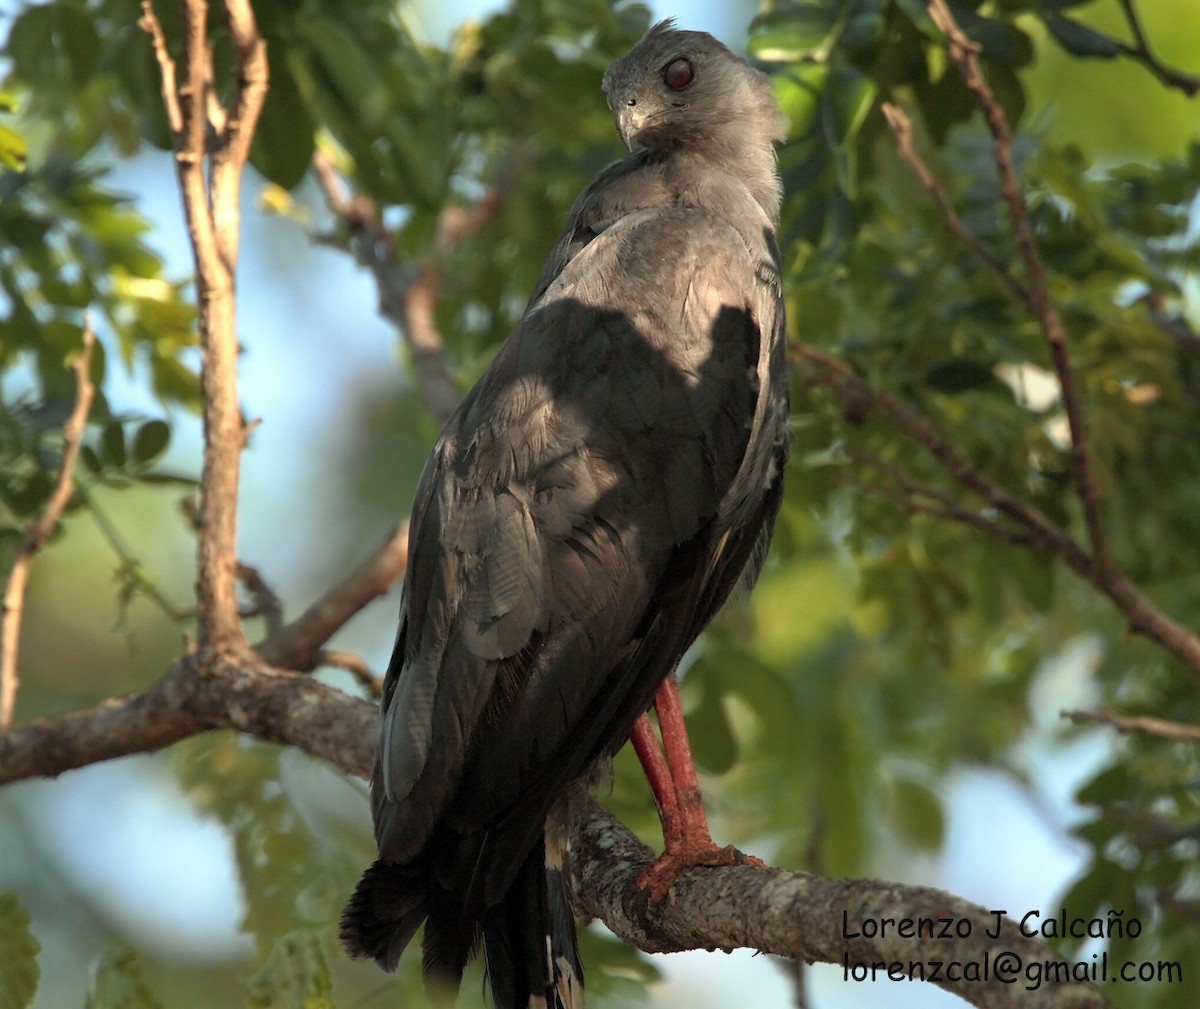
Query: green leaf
[[151, 441], [1080, 40], [112, 445], [13, 151], [80, 42], [284, 142], [917, 813], [999, 40], [958, 374], [864, 31], [120, 983], [792, 33], [715, 748], [799, 94], [18, 963]]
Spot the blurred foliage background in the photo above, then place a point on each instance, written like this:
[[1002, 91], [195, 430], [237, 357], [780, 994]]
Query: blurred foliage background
[[887, 700]]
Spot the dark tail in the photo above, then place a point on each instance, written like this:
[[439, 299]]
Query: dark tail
[[529, 943], [529, 946], [387, 908]]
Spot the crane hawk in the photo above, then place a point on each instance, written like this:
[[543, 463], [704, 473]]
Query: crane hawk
[[585, 512]]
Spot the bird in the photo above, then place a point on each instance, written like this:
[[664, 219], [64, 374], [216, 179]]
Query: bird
[[608, 482]]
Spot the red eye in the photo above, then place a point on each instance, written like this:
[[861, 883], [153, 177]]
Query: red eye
[[678, 75]]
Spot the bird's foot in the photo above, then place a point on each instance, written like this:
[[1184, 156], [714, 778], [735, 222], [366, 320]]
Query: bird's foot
[[658, 877]]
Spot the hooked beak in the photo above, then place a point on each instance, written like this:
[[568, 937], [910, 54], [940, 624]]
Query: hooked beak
[[630, 121]]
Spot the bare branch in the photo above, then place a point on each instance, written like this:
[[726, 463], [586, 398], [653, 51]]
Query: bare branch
[[166, 66], [356, 666], [199, 694], [1175, 732], [902, 132], [219, 627], [235, 134], [807, 917], [965, 54], [206, 133], [407, 292], [39, 530], [298, 644]]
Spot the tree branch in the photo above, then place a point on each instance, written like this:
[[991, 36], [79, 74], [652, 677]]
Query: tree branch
[[407, 291], [965, 54], [298, 644], [199, 693], [1175, 732], [790, 914], [39, 530], [902, 132], [212, 216], [166, 68], [818, 368], [797, 915], [919, 498], [1140, 51]]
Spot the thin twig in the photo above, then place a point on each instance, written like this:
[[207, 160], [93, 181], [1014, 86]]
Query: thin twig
[[407, 292], [965, 54], [356, 666], [298, 645], [37, 532], [1189, 84], [902, 131], [237, 132], [266, 602], [919, 498], [1175, 732], [842, 379], [166, 66], [129, 568]]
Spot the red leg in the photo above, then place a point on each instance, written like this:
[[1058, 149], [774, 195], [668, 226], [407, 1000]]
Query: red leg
[[658, 774], [678, 748], [671, 773]]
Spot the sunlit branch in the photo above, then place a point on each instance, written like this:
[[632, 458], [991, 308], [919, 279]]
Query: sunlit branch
[[40, 528]]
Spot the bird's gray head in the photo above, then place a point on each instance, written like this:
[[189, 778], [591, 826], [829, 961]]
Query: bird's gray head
[[679, 89]]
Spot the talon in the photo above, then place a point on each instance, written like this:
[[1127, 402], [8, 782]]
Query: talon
[[658, 877]]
